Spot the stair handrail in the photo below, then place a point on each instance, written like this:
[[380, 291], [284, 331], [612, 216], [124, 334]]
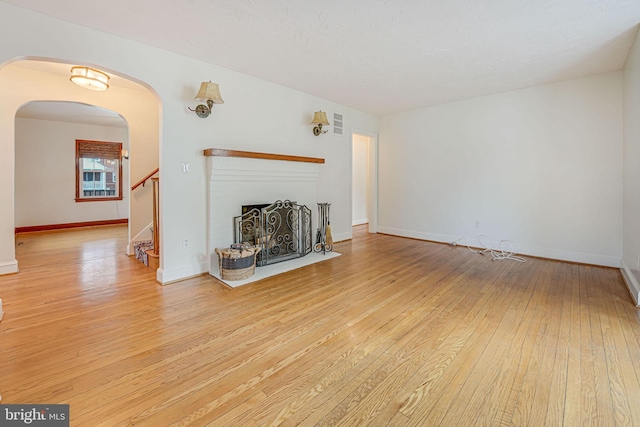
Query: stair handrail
[[143, 180]]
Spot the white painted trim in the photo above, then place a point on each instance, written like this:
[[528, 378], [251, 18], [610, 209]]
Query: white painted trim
[[442, 238], [144, 230], [165, 277], [372, 209], [130, 251], [560, 255], [10, 267], [373, 186], [360, 221], [631, 282], [341, 237]]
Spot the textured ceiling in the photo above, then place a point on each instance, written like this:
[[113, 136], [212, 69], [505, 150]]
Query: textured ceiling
[[380, 56]]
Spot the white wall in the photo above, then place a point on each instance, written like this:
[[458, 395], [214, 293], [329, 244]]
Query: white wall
[[257, 116], [631, 228], [45, 173], [541, 167], [360, 162]]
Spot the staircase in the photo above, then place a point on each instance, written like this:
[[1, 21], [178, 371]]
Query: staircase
[[144, 253], [148, 251]]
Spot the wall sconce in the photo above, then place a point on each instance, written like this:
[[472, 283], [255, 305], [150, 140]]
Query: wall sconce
[[210, 93], [124, 154], [319, 119], [89, 78]]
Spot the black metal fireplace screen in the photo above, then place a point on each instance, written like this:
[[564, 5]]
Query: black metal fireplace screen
[[282, 229]]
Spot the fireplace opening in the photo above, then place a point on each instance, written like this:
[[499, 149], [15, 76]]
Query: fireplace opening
[[248, 208], [282, 229]]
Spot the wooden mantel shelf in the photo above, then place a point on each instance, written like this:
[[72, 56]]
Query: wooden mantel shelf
[[252, 155]]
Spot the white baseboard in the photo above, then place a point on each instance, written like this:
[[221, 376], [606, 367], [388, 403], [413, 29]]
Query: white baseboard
[[10, 267], [165, 277], [580, 257], [561, 255], [443, 238], [360, 221], [631, 282], [341, 237]]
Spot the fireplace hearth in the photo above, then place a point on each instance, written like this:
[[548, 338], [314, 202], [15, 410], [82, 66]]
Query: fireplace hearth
[[282, 229]]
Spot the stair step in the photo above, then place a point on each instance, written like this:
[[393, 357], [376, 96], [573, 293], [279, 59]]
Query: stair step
[[141, 248], [153, 260]]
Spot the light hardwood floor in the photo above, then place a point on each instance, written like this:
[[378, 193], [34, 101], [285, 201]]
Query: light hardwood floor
[[394, 332]]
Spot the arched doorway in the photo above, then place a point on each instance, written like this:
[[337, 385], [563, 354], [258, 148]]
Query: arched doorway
[[26, 80]]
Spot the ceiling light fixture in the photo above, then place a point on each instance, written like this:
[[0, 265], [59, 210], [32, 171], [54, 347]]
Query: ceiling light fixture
[[319, 119], [89, 78], [210, 93]]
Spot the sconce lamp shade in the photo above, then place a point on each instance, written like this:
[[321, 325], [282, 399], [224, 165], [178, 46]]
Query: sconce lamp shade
[[89, 78], [209, 91], [320, 118]]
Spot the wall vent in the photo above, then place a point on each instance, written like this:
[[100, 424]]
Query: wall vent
[[337, 124]]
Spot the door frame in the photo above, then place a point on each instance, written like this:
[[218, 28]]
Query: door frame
[[372, 178]]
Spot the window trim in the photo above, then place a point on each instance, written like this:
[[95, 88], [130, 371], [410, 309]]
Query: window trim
[[78, 159]]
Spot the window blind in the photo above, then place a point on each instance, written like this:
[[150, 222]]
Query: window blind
[[98, 150]]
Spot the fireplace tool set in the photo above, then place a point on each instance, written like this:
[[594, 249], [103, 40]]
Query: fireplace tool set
[[324, 240]]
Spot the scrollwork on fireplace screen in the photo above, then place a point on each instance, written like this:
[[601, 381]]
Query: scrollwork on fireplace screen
[[282, 229]]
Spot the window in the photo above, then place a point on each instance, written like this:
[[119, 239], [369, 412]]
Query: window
[[98, 171]]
